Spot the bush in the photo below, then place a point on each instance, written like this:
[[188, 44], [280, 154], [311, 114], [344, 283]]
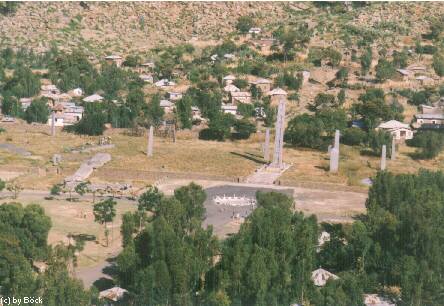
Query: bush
[[244, 24], [244, 129], [354, 136], [430, 143], [438, 64], [305, 131], [91, 124], [38, 111], [56, 189], [211, 134], [376, 139]]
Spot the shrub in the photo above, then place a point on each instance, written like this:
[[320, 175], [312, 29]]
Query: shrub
[[211, 134], [354, 136]]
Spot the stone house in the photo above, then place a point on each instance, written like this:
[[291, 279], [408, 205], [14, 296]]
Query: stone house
[[228, 79], [399, 131], [428, 121], [114, 59], [93, 98], [167, 106], [147, 78], [321, 276], [240, 97], [231, 88], [263, 84], [229, 109]]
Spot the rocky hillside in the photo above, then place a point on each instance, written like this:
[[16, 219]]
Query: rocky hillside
[[121, 26], [103, 27]]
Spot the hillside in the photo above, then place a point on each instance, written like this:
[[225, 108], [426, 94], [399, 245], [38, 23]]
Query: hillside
[[101, 27]]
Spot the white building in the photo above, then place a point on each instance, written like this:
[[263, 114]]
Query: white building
[[93, 98], [255, 31], [112, 295], [167, 106], [174, 96], [147, 78], [164, 83], [116, 59], [398, 130], [229, 109], [231, 88], [376, 300], [321, 276], [229, 79]]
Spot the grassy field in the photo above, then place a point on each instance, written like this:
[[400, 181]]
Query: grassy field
[[187, 158]]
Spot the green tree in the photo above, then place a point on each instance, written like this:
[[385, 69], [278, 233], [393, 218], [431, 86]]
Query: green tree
[[38, 111], [376, 139], [305, 131], [438, 64], [104, 212], [154, 111], [184, 114], [244, 24], [322, 101], [385, 70], [244, 128], [366, 61]]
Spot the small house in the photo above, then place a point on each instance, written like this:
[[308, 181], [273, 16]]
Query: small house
[[229, 56], [49, 90], [167, 106], [398, 130], [147, 78], [240, 97], [229, 109], [231, 88], [114, 59], [376, 300], [263, 84], [255, 31], [25, 103], [113, 295], [229, 79], [405, 73], [39, 266], [321, 276], [58, 120], [429, 121], [93, 98], [174, 96], [214, 57], [77, 92], [164, 83]]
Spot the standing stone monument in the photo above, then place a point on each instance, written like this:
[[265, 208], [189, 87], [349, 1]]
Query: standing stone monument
[[393, 155], [279, 137], [383, 157], [52, 123], [149, 151], [334, 154], [267, 145]]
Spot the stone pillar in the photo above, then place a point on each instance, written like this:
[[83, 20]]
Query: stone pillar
[[267, 145], [279, 137], [393, 155], [383, 157], [53, 124], [337, 135], [149, 151], [334, 160]]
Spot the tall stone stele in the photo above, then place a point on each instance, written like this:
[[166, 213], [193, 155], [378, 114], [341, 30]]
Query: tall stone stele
[[149, 151], [53, 131], [267, 145], [279, 137], [334, 154], [383, 157], [393, 153]]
